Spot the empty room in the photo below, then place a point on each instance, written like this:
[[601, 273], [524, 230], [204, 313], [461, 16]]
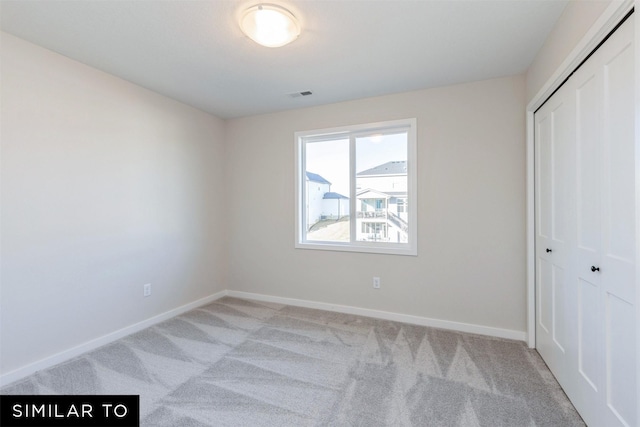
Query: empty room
[[319, 213]]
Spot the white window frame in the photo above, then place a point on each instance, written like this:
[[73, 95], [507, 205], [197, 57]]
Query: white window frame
[[351, 132]]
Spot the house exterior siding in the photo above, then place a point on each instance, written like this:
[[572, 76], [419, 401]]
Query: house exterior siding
[[382, 203]]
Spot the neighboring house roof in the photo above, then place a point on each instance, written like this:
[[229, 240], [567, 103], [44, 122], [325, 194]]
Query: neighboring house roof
[[332, 195], [316, 178], [396, 193], [371, 194], [396, 167]]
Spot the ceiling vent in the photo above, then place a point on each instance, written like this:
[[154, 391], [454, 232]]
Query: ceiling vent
[[299, 94]]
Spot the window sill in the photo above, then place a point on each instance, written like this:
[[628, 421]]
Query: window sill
[[387, 249]]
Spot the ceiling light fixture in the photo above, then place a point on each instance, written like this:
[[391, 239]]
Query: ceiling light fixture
[[270, 25]]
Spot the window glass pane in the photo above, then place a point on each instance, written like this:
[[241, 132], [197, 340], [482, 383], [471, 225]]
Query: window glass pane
[[327, 191], [381, 188]]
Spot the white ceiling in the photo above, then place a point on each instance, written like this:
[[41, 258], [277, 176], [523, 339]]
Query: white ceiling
[[193, 51]]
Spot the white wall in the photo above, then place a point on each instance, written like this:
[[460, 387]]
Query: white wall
[[471, 206], [105, 187], [335, 208], [573, 24]]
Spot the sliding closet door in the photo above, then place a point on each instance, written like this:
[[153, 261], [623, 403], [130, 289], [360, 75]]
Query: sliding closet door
[[586, 314]]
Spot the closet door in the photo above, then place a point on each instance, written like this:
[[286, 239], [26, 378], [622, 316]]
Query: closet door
[[594, 360], [603, 363], [554, 139], [587, 361], [618, 210]]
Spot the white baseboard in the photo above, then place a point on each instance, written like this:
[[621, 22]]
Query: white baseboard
[[65, 355], [386, 315]]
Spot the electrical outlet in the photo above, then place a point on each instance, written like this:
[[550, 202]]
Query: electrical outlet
[[147, 290], [376, 283]]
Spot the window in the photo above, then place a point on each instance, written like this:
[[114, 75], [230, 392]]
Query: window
[[356, 188]]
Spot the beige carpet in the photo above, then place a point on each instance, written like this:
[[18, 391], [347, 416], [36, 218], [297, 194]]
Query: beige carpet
[[244, 363]]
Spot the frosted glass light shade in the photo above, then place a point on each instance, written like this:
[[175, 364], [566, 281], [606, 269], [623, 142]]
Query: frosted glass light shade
[[270, 25]]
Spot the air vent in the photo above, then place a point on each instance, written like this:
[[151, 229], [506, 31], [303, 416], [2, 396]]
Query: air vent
[[299, 94]]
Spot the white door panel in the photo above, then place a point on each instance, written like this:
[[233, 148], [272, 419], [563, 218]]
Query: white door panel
[[587, 164], [545, 313], [618, 211], [620, 396], [552, 152], [589, 358]]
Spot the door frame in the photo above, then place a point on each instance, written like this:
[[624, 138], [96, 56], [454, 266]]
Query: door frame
[[637, 147]]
